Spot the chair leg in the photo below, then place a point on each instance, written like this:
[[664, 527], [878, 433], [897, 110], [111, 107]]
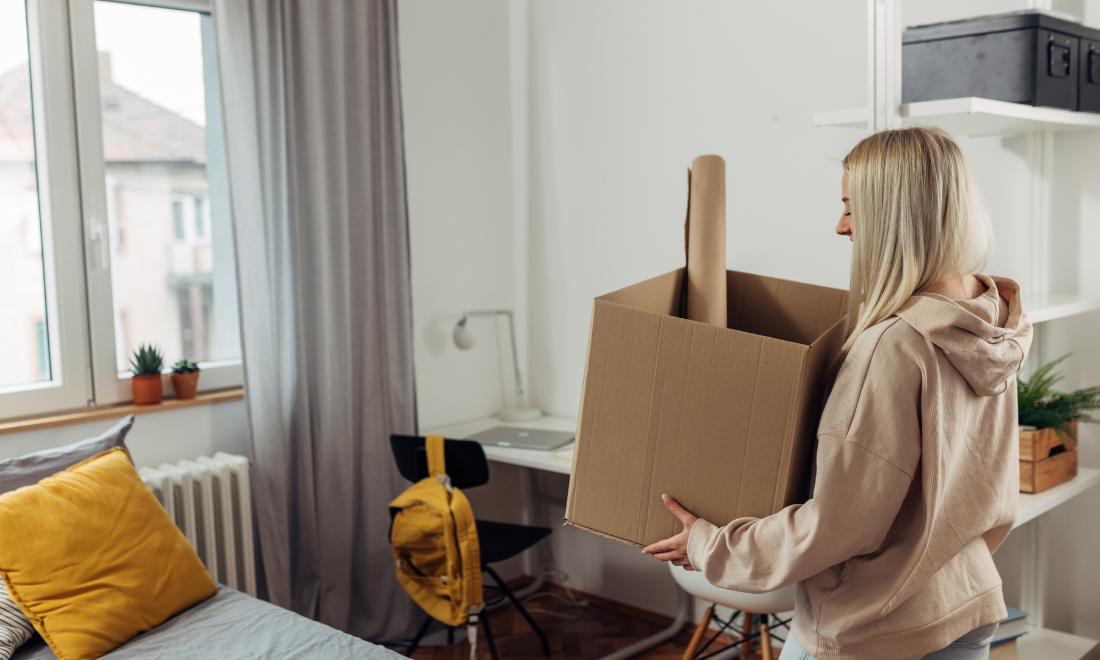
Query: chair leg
[[765, 639], [746, 629], [489, 641], [419, 636], [700, 630], [522, 610]]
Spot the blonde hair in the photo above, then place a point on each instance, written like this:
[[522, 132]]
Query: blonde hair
[[917, 219]]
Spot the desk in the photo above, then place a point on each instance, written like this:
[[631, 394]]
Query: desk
[[1038, 643], [528, 458], [547, 461]]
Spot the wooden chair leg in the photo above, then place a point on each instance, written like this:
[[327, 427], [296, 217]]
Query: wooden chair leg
[[765, 639], [700, 630], [746, 630]]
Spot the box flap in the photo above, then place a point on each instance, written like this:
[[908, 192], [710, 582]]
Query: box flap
[[660, 294], [783, 309], [795, 484]]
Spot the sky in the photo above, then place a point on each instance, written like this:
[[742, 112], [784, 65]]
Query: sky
[[156, 53]]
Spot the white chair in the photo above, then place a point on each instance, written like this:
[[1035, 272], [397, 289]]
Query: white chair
[[756, 611]]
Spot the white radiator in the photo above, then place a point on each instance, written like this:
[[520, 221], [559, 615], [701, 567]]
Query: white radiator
[[210, 501]]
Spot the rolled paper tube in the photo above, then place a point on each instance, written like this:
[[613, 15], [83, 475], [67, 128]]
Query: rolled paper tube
[[706, 242]]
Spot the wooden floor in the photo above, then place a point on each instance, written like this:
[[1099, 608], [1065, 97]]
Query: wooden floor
[[596, 633]]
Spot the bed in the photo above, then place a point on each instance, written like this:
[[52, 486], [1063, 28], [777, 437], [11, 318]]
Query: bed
[[232, 626]]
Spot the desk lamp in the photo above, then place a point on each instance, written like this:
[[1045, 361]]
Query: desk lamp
[[465, 339]]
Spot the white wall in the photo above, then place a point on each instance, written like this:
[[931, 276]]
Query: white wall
[[623, 95], [455, 92], [156, 437]]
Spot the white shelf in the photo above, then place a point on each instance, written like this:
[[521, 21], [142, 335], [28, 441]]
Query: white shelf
[[1029, 507], [972, 116], [1046, 644], [1056, 306]]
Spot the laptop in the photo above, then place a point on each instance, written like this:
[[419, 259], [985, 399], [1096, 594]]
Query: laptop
[[510, 436]]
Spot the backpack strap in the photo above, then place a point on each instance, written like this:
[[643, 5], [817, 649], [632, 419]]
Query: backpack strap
[[437, 465], [470, 548]]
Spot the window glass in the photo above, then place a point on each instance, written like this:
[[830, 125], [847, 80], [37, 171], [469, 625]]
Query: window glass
[[164, 274], [25, 357], [200, 218]]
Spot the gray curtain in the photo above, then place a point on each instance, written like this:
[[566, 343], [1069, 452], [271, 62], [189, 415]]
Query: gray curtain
[[312, 106]]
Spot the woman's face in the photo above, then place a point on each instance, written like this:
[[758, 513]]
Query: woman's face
[[844, 227]]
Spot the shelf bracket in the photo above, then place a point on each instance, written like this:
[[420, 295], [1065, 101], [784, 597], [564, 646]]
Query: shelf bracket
[[1033, 577], [883, 64], [1040, 166]]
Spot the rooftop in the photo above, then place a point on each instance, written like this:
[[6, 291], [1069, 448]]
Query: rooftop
[[134, 128]]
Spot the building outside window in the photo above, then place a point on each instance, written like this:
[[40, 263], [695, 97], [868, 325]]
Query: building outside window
[[157, 263]]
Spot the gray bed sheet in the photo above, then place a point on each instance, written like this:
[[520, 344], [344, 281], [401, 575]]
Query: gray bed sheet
[[232, 626]]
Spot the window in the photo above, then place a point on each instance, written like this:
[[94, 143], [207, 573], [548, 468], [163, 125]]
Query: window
[[111, 235], [200, 217], [20, 226], [174, 284], [177, 219], [43, 350], [42, 324]]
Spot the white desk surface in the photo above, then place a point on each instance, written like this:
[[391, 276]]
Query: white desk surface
[[560, 461]]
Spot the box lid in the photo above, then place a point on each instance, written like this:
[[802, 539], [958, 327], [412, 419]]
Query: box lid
[[1020, 20]]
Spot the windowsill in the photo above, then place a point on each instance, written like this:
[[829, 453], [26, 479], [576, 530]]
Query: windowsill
[[114, 412]]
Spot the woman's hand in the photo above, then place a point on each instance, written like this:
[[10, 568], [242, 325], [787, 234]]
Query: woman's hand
[[674, 549]]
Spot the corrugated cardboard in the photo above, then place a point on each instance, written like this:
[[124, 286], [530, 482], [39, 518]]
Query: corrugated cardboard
[[722, 419], [706, 242]]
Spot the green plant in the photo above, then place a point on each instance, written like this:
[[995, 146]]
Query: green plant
[[147, 361], [1043, 407], [185, 367]]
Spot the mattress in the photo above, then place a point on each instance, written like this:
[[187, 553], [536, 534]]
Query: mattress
[[232, 626]]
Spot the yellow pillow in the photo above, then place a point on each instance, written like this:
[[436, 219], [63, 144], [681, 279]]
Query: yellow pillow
[[92, 559]]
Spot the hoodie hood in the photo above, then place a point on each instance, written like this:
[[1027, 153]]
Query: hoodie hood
[[986, 339]]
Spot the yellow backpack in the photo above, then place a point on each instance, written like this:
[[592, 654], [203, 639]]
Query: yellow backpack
[[435, 546]]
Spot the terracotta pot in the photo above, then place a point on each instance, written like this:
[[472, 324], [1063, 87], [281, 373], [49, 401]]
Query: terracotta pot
[[147, 389], [185, 385]]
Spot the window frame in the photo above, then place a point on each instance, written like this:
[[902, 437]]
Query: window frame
[[109, 386], [57, 170], [76, 221]]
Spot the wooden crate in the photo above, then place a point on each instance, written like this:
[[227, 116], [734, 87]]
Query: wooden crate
[[1037, 476], [1036, 445], [1004, 651]]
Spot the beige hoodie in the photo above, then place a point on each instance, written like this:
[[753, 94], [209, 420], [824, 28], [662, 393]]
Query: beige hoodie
[[916, 485]]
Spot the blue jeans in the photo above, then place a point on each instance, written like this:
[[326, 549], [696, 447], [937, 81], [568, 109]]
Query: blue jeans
[[974, 645]]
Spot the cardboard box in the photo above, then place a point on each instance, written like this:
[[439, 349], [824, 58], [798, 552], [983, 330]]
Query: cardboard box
[[722, 419]]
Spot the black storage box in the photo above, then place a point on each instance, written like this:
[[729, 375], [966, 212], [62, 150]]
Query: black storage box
[[1023, 57], [1089, 88]]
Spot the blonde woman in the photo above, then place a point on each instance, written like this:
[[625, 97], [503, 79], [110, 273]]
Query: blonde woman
[[916, 464]]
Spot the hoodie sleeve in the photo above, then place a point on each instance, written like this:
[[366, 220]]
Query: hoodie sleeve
[[868, 450]]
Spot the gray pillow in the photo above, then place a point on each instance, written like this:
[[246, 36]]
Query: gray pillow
[[30, 469]]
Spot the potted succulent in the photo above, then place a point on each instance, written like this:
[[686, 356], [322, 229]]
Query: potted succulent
[[185, 379], [1048, 427], [147, 363]]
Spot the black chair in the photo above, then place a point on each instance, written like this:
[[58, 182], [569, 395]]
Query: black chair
[[468, 468]]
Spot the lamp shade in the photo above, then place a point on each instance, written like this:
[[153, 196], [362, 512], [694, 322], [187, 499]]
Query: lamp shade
[[463, 336]]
